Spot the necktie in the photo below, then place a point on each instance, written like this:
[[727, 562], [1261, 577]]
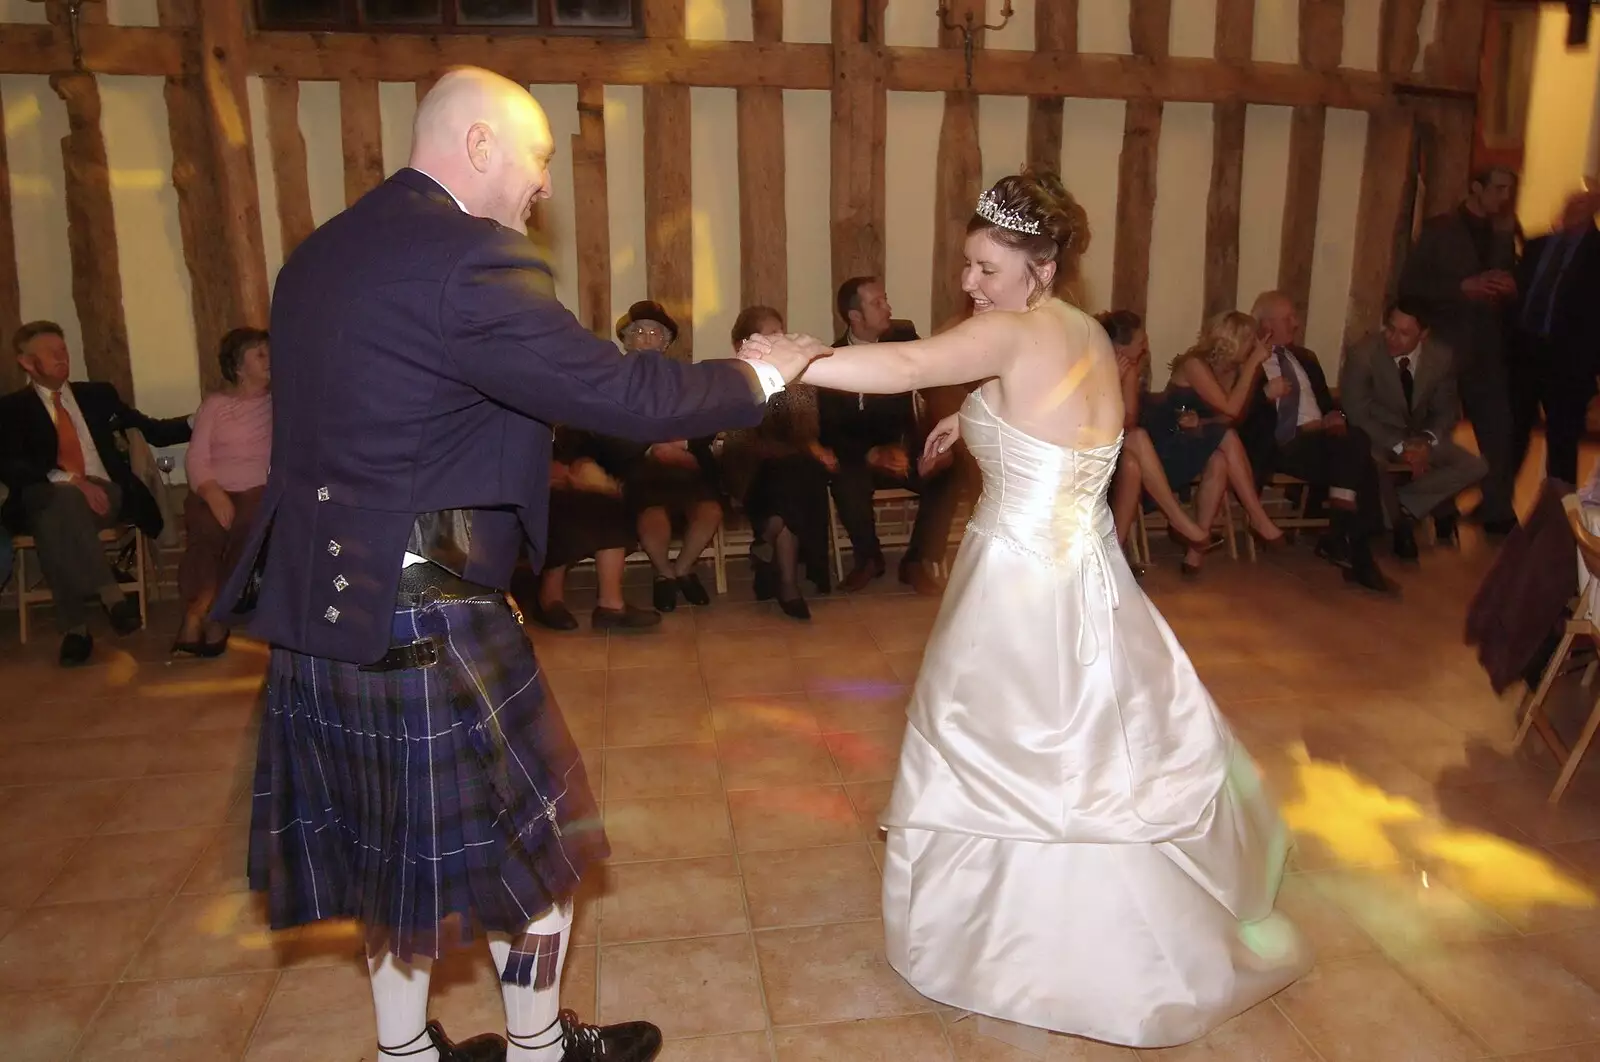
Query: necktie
[[69, 448], [1408, 381], [1289, 404]]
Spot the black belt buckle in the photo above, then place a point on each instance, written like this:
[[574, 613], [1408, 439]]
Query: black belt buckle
[[420, 654]]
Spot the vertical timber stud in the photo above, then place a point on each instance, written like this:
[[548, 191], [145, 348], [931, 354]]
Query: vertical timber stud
[[199, 211], [288, 146], [1149, 26], [591, 213], [958, 175], [1055, 32], [1235, 38], [763, 217], [1321, 47], [361, 135], [11, 376], [668, 197], [224, 60], [1452, 58], [857, 203]]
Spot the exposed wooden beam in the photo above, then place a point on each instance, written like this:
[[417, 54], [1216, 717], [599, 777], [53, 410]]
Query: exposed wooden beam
[[289, 173], [223, 58], [1150, 28], [591, 210], [1321, 45], [1378, 218], [11, 376], [47, 49], [763, 214], [1457, 46], [857, 196], [424, 86], [1447, 154], [1136, 200], [361, 135], [1322, 33], [736, 64], [1055, 31], [1399, 43], [199, 215], [668, 192], [1222, 209], [1236, 30], [91, 235], [958, 177], [1235, 39]]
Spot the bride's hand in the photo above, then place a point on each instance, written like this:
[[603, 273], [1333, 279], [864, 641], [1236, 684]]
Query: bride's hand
[[936, 450], [789, 353]]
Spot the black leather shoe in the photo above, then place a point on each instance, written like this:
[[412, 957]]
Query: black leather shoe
[[1365, 573], [124, 616], [795, 608], [633, 1041], [626, 618], [486, 1047], [693, 590], [557, 617], [75, 649], [1405, 540], [1335, 549], [664, 594], [1444, 529], [765, 582]]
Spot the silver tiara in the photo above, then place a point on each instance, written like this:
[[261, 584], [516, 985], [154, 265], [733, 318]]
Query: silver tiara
[[990, 210]]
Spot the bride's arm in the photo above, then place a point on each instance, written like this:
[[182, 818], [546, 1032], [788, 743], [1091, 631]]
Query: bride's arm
[[976, 349]]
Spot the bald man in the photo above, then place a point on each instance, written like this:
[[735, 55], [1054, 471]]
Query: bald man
[[414, 773]]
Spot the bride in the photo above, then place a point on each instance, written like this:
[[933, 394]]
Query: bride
[[1076, 841]]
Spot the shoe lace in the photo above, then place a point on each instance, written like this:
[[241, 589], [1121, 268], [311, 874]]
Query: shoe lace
[[577, 1035]]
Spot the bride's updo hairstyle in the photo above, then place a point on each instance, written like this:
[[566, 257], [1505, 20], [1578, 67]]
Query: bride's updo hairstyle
[[1033, 212]]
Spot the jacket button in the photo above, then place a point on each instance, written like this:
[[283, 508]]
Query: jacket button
[[332, 615], [333, 548], [322, 494]]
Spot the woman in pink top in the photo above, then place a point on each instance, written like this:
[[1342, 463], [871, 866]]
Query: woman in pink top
[[227, 467]]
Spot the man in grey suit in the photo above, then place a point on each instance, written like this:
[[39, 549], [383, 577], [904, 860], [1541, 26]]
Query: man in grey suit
[[1399, 386], [1459, 276]]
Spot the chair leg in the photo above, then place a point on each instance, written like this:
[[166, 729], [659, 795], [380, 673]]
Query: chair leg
[[833, 542], [141, 571], [1536, 702], [1227, 528], [22, 593], [1575, 757], [719, 560], [1142, 542]]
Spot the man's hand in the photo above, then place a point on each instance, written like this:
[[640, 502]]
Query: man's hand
[[825, 457], [219, 503], [1416, 454], [1333, 423], [674, 453], [789, 354], [1490, 286], [560, 476], [1277, 388], [95, 495], [889, 459], [1188, 420]]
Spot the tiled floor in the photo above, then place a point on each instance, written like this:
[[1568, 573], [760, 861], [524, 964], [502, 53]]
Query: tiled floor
[[742, 759]]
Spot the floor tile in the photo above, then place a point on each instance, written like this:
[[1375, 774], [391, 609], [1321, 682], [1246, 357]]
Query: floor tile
[[44, 1026], [679, 898], [681, 827], [687, 987], [832, 973], [124, 866], [918, 1036], [792, 817], [661, 771], [811, 886], [1363, 1010], [198, 1020], [74, 944]]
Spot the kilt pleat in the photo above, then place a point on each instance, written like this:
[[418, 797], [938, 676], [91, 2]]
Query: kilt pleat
[[411, 800]]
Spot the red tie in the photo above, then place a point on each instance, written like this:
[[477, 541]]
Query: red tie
[[69, 449]]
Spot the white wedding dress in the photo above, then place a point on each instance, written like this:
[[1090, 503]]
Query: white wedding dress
[[1076, 842]]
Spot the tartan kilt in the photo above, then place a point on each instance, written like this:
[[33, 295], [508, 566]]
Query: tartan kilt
[[408, 799]]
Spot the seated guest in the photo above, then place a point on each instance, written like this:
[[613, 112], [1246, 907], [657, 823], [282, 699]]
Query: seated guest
[[781, 471], [69, 478], [1399, 386], [1312, 441], [1132, 348], [588, 518], [227, 469], [669, 487], [876, 439]]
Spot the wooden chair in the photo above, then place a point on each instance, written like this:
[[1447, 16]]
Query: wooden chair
[[1158, 522], [1585, 623], [900, 506], [124, 540]]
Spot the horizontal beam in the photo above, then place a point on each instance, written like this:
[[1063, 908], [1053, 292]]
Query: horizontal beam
[[41, 49], [543, 60]]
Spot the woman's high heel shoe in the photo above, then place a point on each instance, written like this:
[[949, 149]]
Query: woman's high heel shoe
[[795, 608], [1271, 545]]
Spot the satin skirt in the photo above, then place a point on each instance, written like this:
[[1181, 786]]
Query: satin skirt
[[1076, 842]]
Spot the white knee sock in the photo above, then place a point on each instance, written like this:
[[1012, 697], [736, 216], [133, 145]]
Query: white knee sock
[[400, 1000], [532, 1034]]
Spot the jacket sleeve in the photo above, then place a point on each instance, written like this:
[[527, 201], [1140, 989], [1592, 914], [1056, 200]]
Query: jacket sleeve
[[169, 431], [1430, 274], [1444, 412], [839, 426], [19, 470], [517, 346], [1358, 397]]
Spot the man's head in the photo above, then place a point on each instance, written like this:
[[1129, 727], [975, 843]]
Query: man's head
[[1578, 211], [1490, 192], [42, 352], [488, 141], [1275, 313], [865, 308], [1403, 329]]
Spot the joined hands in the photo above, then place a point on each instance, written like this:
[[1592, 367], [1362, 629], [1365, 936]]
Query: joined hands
[[789, 354]]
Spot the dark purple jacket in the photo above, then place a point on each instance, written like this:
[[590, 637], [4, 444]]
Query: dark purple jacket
[[418, 363]]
